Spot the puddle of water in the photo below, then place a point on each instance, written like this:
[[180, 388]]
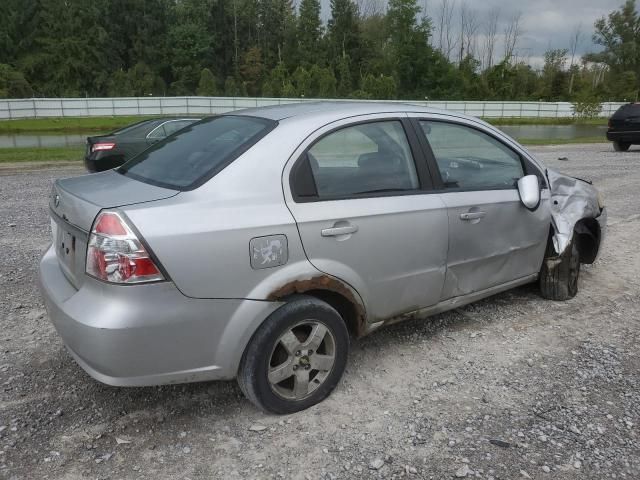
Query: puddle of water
[[552, 132]]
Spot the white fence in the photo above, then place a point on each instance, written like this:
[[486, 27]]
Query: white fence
[[104, 107]]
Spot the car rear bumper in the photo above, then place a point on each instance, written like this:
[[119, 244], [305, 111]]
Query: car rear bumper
[[151, 334], [97, 162], [623, 136]]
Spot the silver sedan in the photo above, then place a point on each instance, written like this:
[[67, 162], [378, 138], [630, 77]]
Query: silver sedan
[[254, 245]]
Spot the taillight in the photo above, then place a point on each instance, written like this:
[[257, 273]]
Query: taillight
[[96, 147], [115, 254]]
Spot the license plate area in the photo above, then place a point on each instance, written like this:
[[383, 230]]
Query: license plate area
[[66, 251]]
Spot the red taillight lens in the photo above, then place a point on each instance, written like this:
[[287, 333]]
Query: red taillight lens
[[116, 255], [96, 147], [109, 224]]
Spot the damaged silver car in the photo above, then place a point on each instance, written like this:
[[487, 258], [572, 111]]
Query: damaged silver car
[[253, 245]]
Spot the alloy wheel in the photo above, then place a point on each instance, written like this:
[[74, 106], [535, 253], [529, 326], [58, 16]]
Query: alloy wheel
[[301, 360]]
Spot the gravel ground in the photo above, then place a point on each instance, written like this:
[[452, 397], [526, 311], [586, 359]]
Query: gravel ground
[[508, 388]]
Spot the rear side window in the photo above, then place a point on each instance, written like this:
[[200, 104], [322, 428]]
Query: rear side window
[[175, 125], [627, 111], [470, 159], [363, 159], [139, 129], [195, 154], [157, 132]]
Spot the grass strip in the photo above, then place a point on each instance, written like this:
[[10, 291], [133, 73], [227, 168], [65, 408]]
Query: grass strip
[[67, 124], [52, 154]]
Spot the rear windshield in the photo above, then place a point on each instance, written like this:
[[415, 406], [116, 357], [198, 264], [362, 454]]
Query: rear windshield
[[188, 158]]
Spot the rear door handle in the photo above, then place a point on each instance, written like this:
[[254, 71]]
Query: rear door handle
[[472, 215], [335, 231]]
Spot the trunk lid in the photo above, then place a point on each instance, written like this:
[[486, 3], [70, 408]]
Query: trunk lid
[[75, 203]]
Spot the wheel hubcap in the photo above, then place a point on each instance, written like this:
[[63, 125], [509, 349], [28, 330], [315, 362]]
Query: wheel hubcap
[[301, 360]]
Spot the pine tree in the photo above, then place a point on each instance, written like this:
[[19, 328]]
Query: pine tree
[[345, 84], [343, 32], [413, 59], [207, 86], [277, 31], [309, 32]]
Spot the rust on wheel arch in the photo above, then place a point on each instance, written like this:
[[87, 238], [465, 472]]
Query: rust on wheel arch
[[328, 284]]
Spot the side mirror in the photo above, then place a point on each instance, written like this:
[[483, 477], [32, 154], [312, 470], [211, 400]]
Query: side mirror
[[529, 190]]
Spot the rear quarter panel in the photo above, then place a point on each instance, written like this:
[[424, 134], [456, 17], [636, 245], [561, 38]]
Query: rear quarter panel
[[202, 237]]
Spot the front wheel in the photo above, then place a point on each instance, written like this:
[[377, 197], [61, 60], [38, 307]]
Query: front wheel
[[621, 146], [559, 274], [296, 358]]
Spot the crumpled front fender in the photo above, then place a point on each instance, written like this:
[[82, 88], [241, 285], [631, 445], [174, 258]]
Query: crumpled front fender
[[572, 200]]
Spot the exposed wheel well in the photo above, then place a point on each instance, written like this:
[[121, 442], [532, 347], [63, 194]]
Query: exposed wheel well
[[332, 291], [343, 306], [587, 236]]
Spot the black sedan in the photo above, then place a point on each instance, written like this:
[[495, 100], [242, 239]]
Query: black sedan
[[105, 152], [624, 127]]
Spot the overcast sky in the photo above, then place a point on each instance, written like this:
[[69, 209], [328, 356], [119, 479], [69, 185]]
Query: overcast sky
[[545, 23]]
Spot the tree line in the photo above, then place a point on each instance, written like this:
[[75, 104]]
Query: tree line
[[273, 48]]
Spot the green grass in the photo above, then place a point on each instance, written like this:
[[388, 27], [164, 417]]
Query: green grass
[[547, 121], [67, 125], [53, 154], [561, 141]]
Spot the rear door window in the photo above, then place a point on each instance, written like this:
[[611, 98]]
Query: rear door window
[[363, 159], [196, 153]]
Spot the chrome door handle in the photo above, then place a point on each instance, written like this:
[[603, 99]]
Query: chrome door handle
[[472, 215], [335, 231]]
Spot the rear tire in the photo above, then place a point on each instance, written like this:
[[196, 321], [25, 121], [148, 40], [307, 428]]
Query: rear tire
[[621, 146], [559, 274], [296, 358]]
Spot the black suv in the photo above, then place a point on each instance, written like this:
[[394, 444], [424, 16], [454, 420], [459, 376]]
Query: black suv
[[109, 151], [624, 127]]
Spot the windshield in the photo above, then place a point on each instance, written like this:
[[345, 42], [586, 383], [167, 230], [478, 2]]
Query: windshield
[[191, 156]]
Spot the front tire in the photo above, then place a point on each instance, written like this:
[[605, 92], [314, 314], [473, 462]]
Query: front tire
[[621, 146], [296, 358], [559, 274]]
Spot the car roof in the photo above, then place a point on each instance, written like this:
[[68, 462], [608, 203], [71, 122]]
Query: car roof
[[312, 115], [339, 109]]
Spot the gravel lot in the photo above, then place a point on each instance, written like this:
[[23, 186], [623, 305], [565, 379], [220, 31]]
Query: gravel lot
[[508, 388]]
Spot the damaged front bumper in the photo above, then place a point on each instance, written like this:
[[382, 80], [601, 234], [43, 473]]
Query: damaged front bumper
[[574, 200]]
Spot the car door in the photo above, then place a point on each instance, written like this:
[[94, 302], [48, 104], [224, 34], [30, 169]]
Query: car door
[[360, 194], [493, 238]]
